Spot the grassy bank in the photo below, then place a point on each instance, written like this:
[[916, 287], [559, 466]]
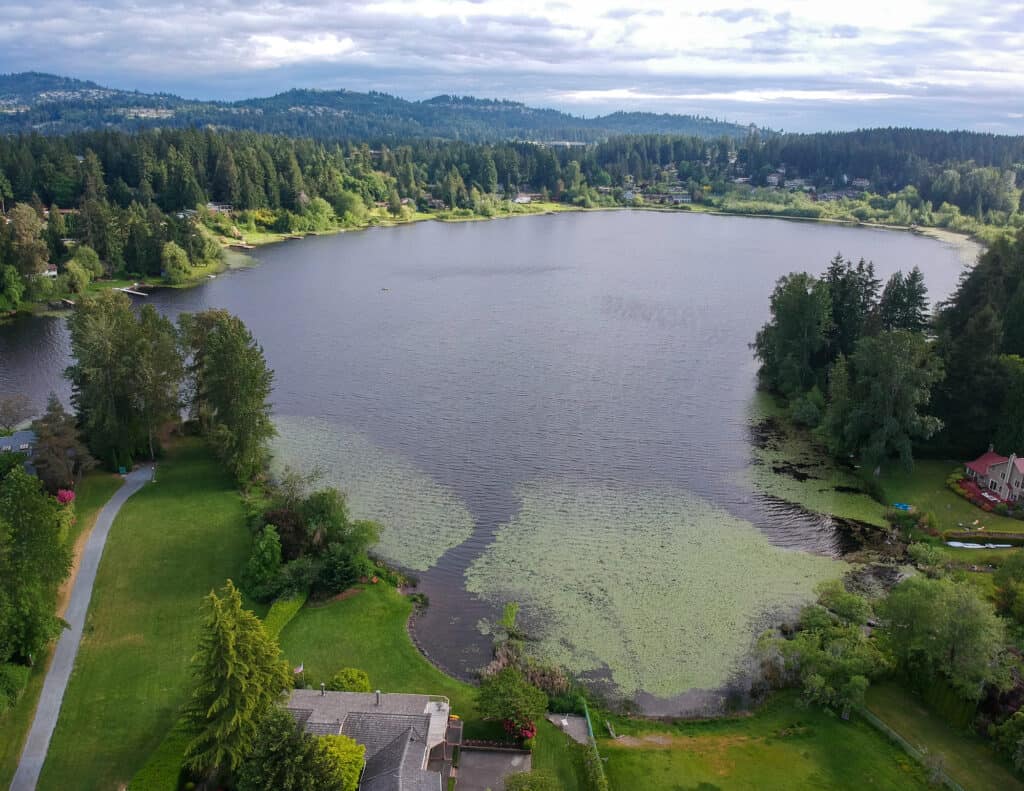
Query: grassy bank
[[783, 746], [171, 544], [965, 757], [925, 487], [367, 630], [92, 493]]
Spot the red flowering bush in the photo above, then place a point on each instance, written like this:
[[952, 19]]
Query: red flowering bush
[[65, 496]]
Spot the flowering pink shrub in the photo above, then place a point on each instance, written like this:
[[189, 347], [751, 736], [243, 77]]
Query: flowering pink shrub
[[65, 496]]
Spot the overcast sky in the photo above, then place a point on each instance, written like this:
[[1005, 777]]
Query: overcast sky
[[799, 66]]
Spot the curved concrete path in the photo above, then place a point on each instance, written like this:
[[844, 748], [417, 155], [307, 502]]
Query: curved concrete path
[[34, 752]]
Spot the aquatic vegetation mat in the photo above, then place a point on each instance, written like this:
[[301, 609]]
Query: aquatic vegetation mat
[[788, 465], [421, 518], [660, 589]]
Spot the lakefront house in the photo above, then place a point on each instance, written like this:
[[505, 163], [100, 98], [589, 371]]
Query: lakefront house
[[1001, 475], [409, 739]]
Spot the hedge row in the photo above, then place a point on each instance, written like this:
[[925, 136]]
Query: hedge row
[[281, 613], [163, 770]]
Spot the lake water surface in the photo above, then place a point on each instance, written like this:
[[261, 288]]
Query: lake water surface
[[552, 409]]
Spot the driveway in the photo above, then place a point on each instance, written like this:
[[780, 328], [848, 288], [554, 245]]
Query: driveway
[[482, 769], [57, 676]]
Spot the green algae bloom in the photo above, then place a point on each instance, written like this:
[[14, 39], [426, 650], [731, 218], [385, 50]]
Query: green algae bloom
[[661, 589], [421, 519]]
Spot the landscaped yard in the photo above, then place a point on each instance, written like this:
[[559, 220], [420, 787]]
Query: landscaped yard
[[92, 493], [783, 746], [966, 758], [368, 631], [172, 543], [926, 489]]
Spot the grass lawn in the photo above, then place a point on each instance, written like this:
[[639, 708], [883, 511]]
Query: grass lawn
[[966, 757], [172, 542], [782, 746], [560, 755], [91, 494], [926, 488], [368, 631]]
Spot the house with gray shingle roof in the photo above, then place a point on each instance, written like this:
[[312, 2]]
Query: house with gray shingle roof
[[403, 734]]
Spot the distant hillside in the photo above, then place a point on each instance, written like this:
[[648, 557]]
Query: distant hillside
[[50, 104]]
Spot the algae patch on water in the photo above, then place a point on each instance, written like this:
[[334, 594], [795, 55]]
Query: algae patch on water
[[661, 588], [790, 465], [421, 518]]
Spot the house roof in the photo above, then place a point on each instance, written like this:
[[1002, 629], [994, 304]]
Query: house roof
[[14, 442], [395, 729], [398, 765], [981, 464]]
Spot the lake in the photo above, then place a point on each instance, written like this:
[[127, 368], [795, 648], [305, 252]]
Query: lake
[[555, 410]]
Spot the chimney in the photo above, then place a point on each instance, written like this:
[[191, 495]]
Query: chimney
[[378, 697]]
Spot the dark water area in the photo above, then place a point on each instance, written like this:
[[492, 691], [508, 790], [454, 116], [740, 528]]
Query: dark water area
[[603, 347]]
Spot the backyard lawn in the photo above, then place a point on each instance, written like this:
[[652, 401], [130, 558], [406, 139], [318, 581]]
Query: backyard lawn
[[926, 488], [171, 544], [368, 631], [91, 494], [782, 746], [965, 758]]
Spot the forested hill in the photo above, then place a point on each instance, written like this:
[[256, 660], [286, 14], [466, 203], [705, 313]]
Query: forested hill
[[57, 105]]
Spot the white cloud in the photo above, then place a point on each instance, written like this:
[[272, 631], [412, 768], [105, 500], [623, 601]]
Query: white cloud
[[764, 58]]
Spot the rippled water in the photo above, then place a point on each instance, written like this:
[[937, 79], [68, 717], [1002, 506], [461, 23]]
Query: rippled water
[[444, 367]]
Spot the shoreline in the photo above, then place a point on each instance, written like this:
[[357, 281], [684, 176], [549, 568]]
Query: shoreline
[[967, 246]]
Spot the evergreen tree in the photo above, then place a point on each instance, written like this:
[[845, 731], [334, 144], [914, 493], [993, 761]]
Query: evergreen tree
[[239, 677], [789, 344], [237, 384], [59, 455], [105, 344], [160, 370]]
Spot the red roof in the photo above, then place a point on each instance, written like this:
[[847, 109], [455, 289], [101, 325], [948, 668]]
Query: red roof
[[981, 464]]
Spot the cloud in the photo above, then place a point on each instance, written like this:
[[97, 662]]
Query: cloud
[[802, 65]]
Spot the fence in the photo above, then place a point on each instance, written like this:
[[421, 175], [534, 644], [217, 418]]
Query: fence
[[915, 753]]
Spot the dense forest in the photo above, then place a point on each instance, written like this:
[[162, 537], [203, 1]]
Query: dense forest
[[103, 203], [879, 378], [58, 105]]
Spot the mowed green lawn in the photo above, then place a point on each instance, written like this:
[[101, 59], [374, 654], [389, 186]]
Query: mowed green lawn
[[368, 631], [783, 746], [172, 543], [966, 758], [926, 488], [91, 495]]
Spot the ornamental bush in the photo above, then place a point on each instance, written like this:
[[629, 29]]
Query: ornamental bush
[[13, 679], [350, 679]]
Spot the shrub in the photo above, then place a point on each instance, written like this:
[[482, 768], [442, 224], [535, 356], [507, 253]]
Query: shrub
[[261, 577], [281, 612], [350, 679], [926, 557], [339, 569], [297, 576], [13, 679]]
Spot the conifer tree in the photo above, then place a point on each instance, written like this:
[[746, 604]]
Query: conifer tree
[[239, 676]]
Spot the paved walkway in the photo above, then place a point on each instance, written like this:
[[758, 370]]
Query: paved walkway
[[57, 676], [572, 724]]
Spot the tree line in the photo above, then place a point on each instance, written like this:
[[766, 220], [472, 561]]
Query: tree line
[[878, 376]]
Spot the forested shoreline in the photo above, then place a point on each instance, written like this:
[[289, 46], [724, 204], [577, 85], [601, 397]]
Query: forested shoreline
[[161, 203]]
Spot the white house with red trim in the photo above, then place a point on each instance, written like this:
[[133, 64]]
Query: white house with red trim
[[1001, 475]]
